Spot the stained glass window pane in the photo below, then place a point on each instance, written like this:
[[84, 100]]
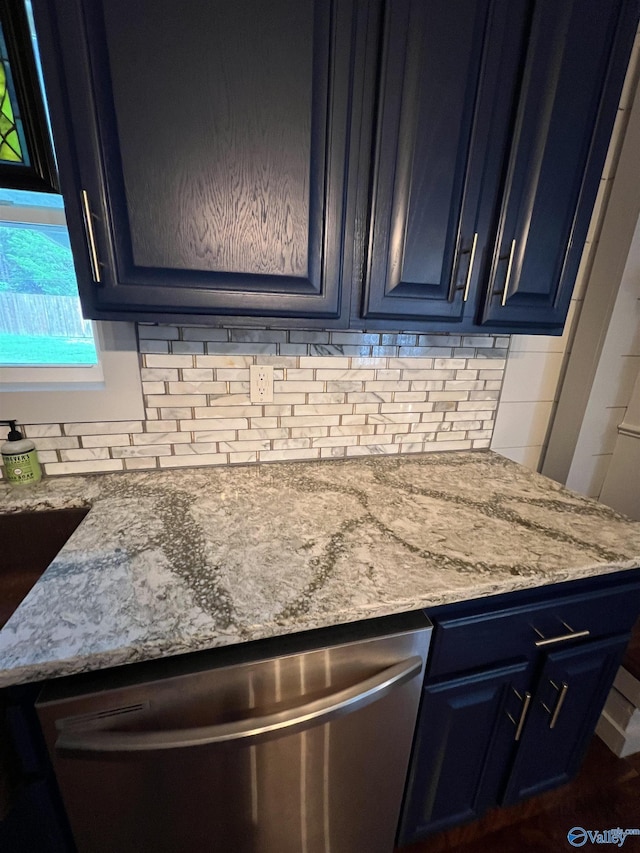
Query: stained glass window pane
[[12, 143]]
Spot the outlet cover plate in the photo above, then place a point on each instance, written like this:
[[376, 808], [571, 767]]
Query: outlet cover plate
[[261, 383]]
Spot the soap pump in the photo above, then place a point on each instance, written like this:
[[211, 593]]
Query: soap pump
[[20, 457]]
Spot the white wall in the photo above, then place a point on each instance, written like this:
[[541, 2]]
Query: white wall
[[621, 487], [528, 393], [613, 384]]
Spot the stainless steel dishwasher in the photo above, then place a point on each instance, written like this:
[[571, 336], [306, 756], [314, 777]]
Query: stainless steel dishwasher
[[273, 747]]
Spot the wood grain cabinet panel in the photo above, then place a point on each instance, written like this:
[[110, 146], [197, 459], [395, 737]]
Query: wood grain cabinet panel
[[211, 139]]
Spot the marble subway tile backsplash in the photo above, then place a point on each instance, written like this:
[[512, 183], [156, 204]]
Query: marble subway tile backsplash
[[336, 394]]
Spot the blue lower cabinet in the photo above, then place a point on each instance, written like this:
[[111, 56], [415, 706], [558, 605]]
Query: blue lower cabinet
[[513, 691], [462, 722], [571, 691]]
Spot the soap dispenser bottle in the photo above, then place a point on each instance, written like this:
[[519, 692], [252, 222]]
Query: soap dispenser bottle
[[20, 457]]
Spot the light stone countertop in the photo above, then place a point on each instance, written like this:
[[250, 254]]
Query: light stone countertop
[[168, 562]]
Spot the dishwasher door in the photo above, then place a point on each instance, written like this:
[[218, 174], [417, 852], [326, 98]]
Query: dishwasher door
[[305, 752]]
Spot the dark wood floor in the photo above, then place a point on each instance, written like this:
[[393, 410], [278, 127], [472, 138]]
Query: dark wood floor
[[605, 795]]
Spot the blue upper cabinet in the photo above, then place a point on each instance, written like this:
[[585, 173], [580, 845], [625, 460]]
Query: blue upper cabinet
[[448, 80], [203, 152], [557, 152], [422, 164], [493, 122]]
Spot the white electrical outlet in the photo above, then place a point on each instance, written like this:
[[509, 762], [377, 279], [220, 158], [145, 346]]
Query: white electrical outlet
[[261, 383]]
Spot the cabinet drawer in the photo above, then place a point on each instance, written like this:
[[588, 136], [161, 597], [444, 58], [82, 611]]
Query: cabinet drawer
[[465, 638]]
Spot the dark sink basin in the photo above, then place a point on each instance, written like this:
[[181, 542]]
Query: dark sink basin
[[28, 543]]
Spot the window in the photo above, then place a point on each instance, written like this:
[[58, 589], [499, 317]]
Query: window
[[88, 371], [41, 323]]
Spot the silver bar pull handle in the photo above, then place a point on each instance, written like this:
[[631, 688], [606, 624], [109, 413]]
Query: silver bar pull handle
[[467, 281], [91, 240], [526, 701], [562, 695], [470, 270], [317, 712], [508, 277], [562, 638]]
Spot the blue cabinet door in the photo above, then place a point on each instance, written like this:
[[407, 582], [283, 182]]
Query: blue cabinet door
[[571, 692], [560, 136], [211, 139], [448, 78], [465, 737]]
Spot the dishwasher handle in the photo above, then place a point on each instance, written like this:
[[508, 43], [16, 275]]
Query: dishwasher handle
[[317, 712]]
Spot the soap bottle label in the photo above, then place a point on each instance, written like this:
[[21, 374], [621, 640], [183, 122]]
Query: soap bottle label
[[22, 467]]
